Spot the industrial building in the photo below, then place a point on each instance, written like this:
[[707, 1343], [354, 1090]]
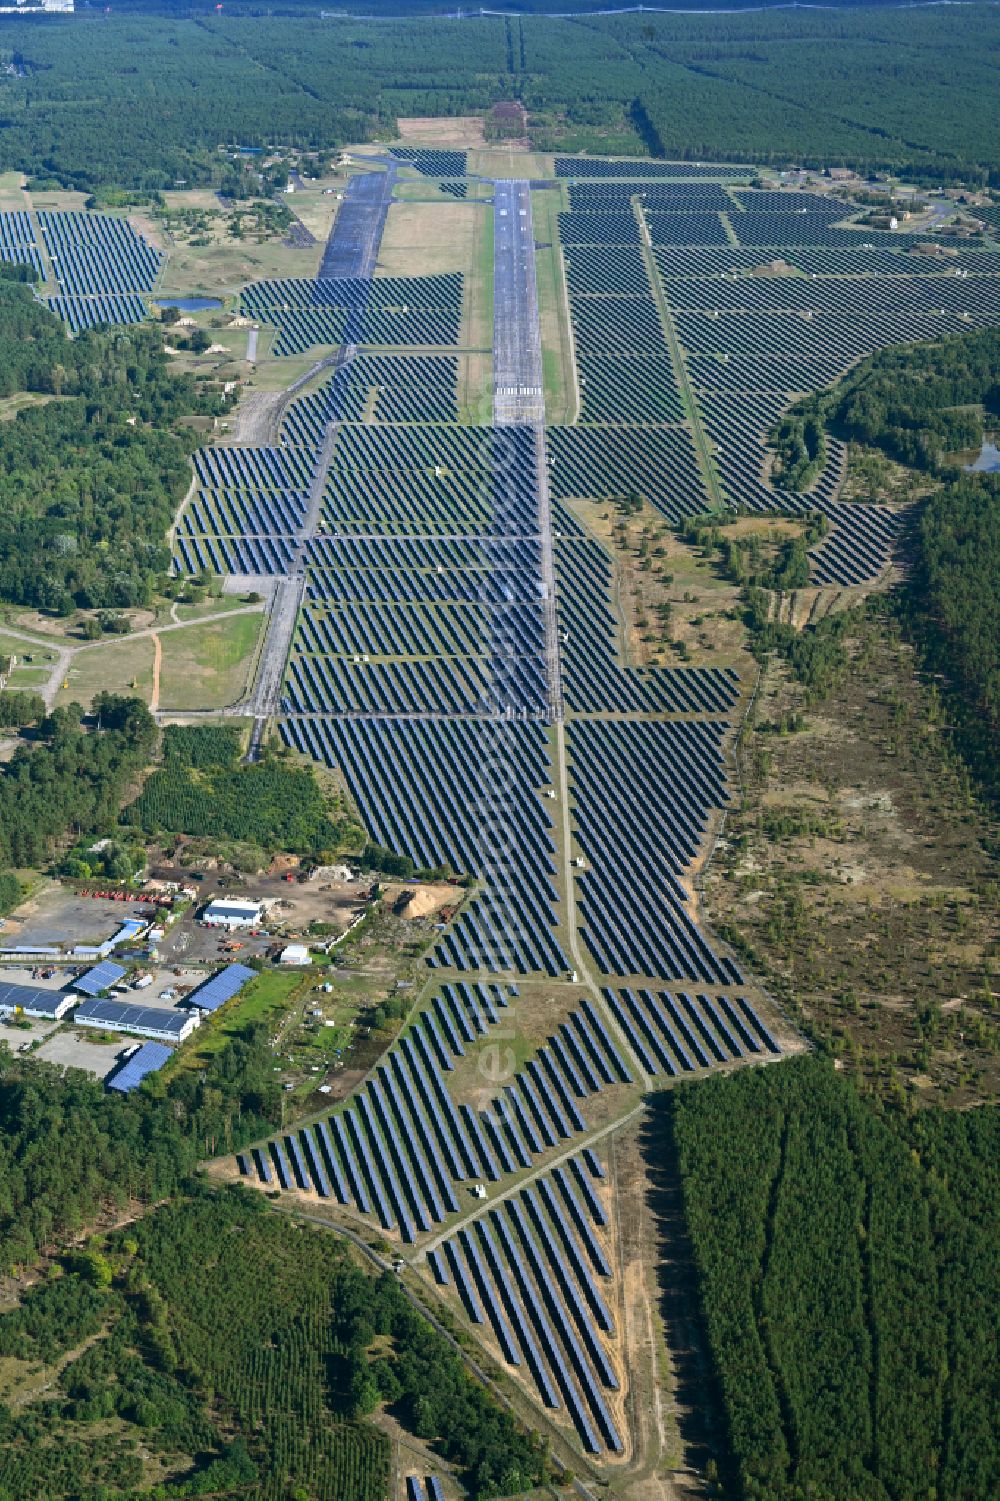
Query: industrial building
[[146, 1060], [231, 914], [220, 988], [47, 1005], [140, 1021], [295, 953]]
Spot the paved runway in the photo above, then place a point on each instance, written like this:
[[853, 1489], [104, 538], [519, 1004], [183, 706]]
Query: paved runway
[[352, 248], [518, 397], [517, 346]]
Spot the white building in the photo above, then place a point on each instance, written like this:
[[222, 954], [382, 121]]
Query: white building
[[139, 1021], [45, 1005], [231, 914], [295, 953]]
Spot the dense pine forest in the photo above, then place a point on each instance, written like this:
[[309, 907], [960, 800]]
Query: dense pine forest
[[144, 96], [102, 464], [71, 1150], [848, 1271]]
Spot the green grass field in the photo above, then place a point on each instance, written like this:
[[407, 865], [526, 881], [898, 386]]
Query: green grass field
[[39, 651], [264, 1000], [122, 666], [207, 666], [557, 349]]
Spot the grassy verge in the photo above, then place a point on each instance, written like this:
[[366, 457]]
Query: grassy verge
[[265, 1000], [558, 370]]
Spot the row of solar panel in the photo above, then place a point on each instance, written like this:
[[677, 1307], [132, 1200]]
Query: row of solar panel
[[525, 1269]]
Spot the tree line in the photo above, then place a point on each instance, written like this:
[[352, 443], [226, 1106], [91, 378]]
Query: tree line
[[922, 406]]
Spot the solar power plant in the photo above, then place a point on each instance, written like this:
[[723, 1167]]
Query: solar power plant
[[101, 266], [97, 254], [583, 167], [402, 1150], [535, 1273], [788, 307], [247, 511], [386, 310], [462, 660], [18, 245], [430, 162]]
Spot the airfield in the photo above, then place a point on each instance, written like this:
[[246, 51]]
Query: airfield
[[450, 625]]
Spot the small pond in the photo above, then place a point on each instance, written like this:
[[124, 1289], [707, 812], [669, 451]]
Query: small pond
[[987, 461], [188, 304]]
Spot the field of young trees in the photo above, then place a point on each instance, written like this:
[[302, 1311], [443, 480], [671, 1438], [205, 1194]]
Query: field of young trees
[[204, 790], [313, 1345]]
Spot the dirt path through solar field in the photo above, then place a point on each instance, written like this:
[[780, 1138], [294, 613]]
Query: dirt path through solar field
[[154, 697]]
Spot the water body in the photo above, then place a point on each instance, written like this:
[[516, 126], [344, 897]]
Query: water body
[[188, 304], [987, 461]]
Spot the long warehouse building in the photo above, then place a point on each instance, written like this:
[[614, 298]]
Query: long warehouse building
[[141, 1021]]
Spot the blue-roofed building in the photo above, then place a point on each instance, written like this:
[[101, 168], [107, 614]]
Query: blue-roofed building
[[141, 1021], [49, 1005], [130, 928], [143, 1062], [221, 987], [101, 977]]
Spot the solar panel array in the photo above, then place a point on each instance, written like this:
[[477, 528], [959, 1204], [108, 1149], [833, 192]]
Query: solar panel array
[[584, 168], [101, 267], [644, 792], [530, 1271], [221, 987], [26, 997], [129, 1017], [408, 311], [146, 1060], [18, 244], [430, 162], [419, 671], [402, 1148], [788, 308], [101, 977], [247, 511], [748, 337], [674, 1034]]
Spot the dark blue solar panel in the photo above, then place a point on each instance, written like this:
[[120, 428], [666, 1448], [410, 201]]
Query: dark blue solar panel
[[101, 977], [144, 1061], [221, 987]]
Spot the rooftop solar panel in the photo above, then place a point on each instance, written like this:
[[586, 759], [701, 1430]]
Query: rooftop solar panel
[[146, 1060], [123, 1015], [221, 987], [27, 997], [101, 977]]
